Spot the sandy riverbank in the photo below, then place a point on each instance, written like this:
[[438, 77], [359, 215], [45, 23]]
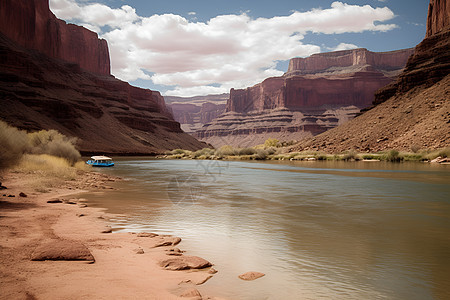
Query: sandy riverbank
[[127, 266]]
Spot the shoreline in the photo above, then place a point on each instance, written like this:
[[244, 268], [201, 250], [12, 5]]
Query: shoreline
[[127, 265]]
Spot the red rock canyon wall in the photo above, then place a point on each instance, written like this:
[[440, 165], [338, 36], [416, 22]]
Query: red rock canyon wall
[[32, 25]]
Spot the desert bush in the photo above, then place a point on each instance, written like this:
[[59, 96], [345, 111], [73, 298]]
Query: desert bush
[[246, 151], [226, 150], [177, 151], [54, 143], [204, 153], [272, 143], [350, 155], [13, 144], [392, 156], [261, 154]]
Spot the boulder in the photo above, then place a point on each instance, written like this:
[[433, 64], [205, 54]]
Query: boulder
[[184, 263], [59, 249], [22, 194], [251, 276], [167, 241]]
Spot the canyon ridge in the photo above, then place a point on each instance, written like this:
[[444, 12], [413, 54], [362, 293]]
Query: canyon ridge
[[413, 112], [316, 94], [55, 75]]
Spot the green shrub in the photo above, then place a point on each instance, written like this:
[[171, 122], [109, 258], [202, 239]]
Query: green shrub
[[350, 155], [392, 156]]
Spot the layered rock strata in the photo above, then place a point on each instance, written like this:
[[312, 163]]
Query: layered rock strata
[[194, 112], [32, 25], [41, 89], [411, 113], [315, 94]]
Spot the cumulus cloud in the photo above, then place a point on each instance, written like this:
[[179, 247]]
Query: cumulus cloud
[[344, 46], [212, 57]]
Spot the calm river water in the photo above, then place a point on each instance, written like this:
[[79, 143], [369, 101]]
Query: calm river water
[[318, 230]]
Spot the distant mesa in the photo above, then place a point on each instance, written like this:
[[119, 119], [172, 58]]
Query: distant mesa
[[317, 93]]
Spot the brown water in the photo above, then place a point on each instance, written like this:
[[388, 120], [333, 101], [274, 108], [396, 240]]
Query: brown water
[[325, 230]]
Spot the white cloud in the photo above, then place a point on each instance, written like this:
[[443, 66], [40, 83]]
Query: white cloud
[[344, 46], [227, 51]]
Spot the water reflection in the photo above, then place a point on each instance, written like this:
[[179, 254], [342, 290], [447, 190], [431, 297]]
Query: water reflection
[[318, 230]]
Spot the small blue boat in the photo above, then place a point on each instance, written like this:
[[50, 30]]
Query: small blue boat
[[100, 161]]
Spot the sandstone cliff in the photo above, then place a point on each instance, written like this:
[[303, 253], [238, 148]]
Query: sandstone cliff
[[413, 111], [194, 112], [438, 16], [77, 96], [316, 93], [32, 25]]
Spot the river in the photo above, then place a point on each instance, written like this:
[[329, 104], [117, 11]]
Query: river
[[318, 230]]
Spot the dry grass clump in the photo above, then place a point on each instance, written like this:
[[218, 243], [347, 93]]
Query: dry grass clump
[[54, 143], [51, 171], [13, 144]]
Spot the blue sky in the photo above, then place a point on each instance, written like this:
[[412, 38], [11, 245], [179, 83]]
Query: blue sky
[[187, 48]]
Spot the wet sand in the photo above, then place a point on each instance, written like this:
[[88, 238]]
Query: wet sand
[[126, 264]]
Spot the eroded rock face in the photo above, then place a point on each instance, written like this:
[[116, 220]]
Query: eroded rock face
[[430, 62], [194, 112], [438, 16], [413, 111], [32, 25], [316, 94], [42, 90]]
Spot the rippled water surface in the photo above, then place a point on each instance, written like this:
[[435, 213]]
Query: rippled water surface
[[326, 230]]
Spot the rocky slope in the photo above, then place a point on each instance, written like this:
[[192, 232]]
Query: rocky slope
[[316, 93], [194, 112], [41, 89], [413, 111]]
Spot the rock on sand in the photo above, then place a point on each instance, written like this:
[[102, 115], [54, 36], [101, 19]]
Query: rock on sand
[[184, 263], [59, 249], [251, 275]]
